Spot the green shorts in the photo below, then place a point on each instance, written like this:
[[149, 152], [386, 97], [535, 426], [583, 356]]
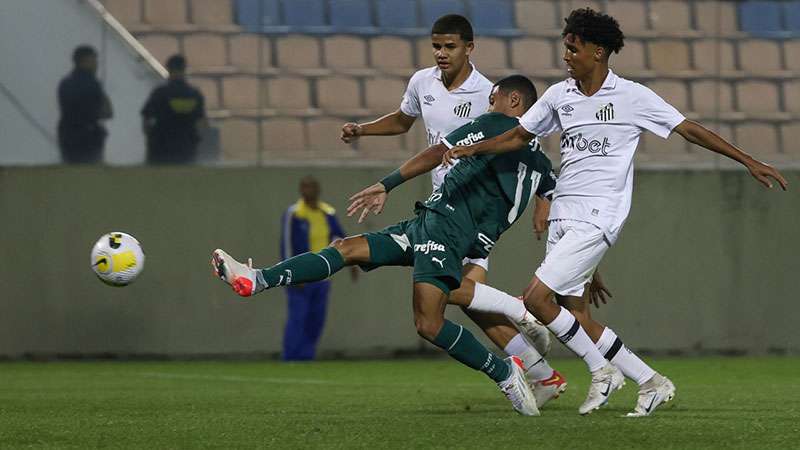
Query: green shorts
[[435, 244]]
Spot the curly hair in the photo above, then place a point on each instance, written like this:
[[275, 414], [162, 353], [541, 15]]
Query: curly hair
[[595, 27]]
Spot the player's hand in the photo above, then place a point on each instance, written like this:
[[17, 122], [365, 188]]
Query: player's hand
[[598, 290], [456, 153], [763, 172], [541, 211], [371, 199], [350, 132]]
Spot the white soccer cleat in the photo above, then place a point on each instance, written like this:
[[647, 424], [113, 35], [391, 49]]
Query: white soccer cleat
[[653, 393], [604, 382], [538, 334], [241, 277], [549, 389], [516, 389]]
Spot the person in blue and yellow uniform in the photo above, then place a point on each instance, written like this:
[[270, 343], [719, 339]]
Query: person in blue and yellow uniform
[[308, 226]]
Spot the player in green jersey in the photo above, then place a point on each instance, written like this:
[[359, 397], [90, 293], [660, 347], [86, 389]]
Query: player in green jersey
[[479, 199]]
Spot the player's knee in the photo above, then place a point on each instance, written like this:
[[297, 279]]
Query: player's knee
[[428, 328], [345, 248]]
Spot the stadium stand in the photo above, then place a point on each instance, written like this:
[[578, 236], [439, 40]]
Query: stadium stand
[[307, 64]]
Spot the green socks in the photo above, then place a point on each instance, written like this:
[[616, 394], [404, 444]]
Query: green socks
[[303, 268], [459, 343]]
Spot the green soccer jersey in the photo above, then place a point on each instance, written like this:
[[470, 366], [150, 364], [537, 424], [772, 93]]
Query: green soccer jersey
[[491, 191]]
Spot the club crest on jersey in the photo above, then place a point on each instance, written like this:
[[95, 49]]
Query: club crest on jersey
[[428, 247], [471, 139], [606, 113], [463, 109], [429, 99]]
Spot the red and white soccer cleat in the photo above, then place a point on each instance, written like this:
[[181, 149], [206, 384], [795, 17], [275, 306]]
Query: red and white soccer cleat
[[241, 277], [549, 389]]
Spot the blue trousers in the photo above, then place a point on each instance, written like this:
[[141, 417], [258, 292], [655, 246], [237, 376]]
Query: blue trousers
[[307, 307]]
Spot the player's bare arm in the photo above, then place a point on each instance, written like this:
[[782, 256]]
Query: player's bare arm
[[388, 125], [702, 136], [540, 213], [509, 141], [373, 198]]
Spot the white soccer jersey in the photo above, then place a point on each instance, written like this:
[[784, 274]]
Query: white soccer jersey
[[443, 111], [600, 135]]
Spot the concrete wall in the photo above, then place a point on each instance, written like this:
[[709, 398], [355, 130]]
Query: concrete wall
[[37, 38], [706, 262]]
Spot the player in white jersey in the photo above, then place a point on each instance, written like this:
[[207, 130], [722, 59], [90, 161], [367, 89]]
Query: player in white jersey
[[448, 96], [601, 117]]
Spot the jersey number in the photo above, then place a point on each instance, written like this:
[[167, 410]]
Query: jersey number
[[522, 171]]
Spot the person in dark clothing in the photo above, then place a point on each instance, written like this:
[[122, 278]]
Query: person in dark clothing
[[172, 118], [83, 104]]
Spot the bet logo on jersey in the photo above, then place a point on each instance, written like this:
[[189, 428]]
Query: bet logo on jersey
[[580, 143], [463, 109]]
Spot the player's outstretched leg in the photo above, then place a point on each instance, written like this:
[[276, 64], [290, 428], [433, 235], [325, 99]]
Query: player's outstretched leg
[[606, 378], [654, 388], [429, 303]]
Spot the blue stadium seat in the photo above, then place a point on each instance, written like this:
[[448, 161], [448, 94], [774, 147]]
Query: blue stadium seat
[[398, 17], [256, 16], [305, 16], [433, 9], [761, 18], [792, 17], [493, 17], [351, 16]]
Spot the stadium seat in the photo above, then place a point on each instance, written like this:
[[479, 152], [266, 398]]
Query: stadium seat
[[631, 58], [424, 52], [298, 52], [384, 94], [711, 96], [161, 46], [241, 92], [209, 86], [337, 95], [392, 54], [715, 18], [490, 55], [757, 97], [759, 56], [289, 93], [211, 12], [239, 139], [668, 55], [530, 55], [756, 138], [159, 12], [791, 53], [493, 17], [398, 17], [305, 16], [537, 17], [674, 92], [351, 16], [259, 15], [713, 56], [792, 17], [433, 9], [790, 136], [345, 53], [670, 15], [243, 51], [673, 149], [384, 147], [323, 135], [204, 50], [126, 11], [791, 96], [567, 6], [631, 15], [417, 137], [761, 18], [282, 135]]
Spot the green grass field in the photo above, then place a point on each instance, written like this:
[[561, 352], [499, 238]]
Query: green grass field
[[721, 402]]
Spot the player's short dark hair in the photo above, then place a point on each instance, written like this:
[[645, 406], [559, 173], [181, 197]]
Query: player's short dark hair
[[176, 63], [454, 24], [598, 28], [81, 52], [522, 85]]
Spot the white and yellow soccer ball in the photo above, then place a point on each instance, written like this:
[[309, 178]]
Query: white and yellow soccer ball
[[117, 259]]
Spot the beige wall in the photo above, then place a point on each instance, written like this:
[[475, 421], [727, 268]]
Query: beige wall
[[706, 262]]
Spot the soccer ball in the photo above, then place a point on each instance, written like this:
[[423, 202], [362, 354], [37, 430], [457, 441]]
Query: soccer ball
[[117, 259]]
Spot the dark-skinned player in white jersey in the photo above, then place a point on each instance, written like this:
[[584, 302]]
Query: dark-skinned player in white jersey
[[601, 117]]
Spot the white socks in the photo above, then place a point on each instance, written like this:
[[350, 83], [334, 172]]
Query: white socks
[[615, 351], [567, 329], [489, 299], [535, 365]]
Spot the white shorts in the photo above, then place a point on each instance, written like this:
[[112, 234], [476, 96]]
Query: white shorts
[[483, 262], [574, 249]]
